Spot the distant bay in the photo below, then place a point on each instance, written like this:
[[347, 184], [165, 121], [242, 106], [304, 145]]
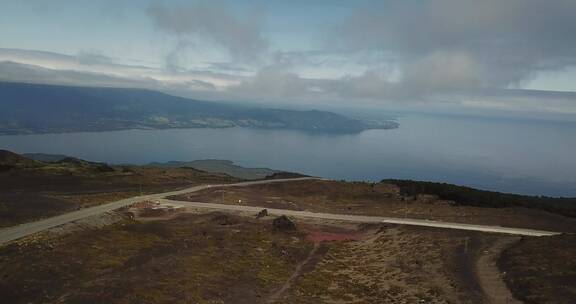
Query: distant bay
[[510, 156]]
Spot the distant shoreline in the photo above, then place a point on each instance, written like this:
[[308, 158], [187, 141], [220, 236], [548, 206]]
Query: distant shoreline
[[320, 132]]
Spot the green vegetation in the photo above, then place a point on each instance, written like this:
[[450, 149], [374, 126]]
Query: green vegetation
[[480, 198]]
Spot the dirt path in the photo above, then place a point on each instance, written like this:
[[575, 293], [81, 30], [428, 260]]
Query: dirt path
[[297, 272], [15, 232], [360, 218], [489, 275]]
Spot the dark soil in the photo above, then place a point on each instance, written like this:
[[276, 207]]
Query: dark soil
[[31, 193], [377, 199], [190, 259], [542, 269]]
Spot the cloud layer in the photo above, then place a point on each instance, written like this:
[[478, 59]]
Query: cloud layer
[[89, 69], [212, 22], [456, 52], [459, 44]]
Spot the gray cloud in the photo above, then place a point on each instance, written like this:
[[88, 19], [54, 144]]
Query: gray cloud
[[438, 73], [90, 68], [174, 57], [214, 22], [17, 72], [93, 57], [442, 45], [439, 51], [273, 82]]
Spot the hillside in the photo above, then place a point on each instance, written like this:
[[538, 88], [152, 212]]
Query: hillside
[[208, 165], [312, 261], [467, 196], [33, 108], [30, 189], [43, 157], [220, 166], [10, 160]]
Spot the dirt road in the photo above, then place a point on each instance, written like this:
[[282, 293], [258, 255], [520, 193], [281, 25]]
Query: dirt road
[[365, 219], [490, 277], [16, 232], [20, 231]]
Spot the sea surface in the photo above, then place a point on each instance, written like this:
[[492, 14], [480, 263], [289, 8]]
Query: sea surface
[[528, 157]]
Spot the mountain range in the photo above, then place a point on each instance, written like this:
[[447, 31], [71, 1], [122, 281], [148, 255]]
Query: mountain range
[[35, 108]]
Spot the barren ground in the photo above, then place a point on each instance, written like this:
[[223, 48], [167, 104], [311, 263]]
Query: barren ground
[[542, 270], [395, 264], [224, 258], [377, 199], [31, 194], [211, 258]]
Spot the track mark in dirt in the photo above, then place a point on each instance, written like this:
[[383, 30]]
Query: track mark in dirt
[[489, 275], [297, 272]]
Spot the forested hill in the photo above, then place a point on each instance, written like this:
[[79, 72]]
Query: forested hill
[[34, 108], [480, 198]]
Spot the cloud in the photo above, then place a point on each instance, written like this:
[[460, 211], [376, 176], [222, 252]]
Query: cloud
[[441, 71], [173, 60], [17, 72], [95, 69], [273, 82], [279, 84], [391, 52], [442, 45], [213, 22], [93, 57]]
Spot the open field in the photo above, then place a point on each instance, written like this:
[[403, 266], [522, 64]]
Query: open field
[[396, 264], [27, 229], [32, 190], [224, 258], [536, 267], [377, 199], [542, 270], [191, 259], [195, 255]]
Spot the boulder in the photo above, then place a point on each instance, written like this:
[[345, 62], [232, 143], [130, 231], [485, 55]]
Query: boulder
[[262, 213], [283, 223]]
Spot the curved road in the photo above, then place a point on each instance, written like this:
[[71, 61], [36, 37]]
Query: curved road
[[23, 230]]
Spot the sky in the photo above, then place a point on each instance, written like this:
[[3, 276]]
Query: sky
[[497, 55]]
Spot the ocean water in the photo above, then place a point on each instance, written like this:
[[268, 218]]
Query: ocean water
[[526, 157]]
